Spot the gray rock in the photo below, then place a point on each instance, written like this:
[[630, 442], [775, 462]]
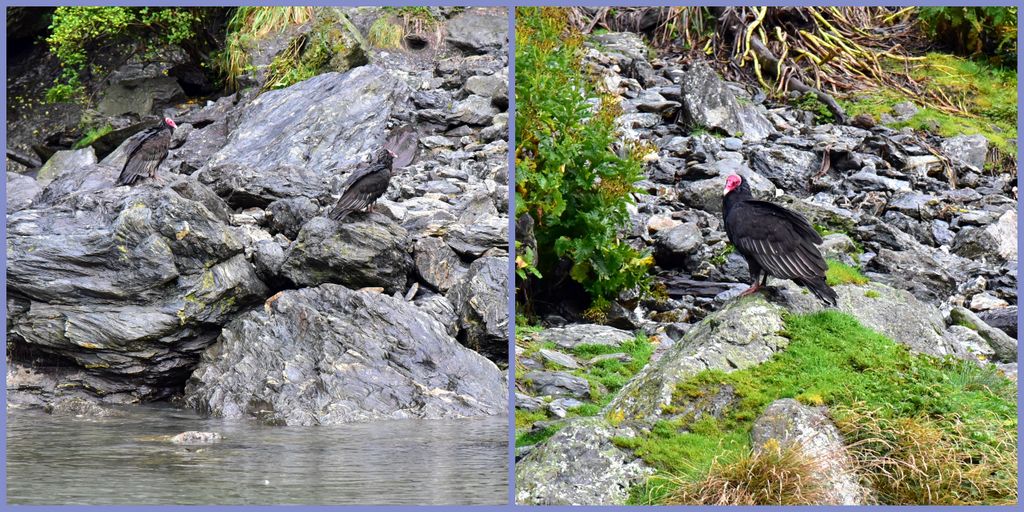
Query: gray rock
[[129, 284], [80, 407], [294, 141], [707, 194], [268, 257], [528, 403], [674, 245], [560, 406], [441, 309], [741, 334], [65, 161], [476, 32], [474, 110], [788, 168], [904, 111], [579, 465], [559, 358], [871, 181], [621, 357], [481, 302], [571, 336], [984, 301], [288, 215], [330, 355], [21, 191], [709, 103], [488, 86], [557, 384], [139, 96], [1004, 347], [968, 151], [363, 250], [1004, 319], [995, 242], [789, 424], [475, 238], [437, 264], [967, 343]]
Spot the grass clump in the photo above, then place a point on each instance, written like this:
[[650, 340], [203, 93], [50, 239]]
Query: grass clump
[[841, 273], [384, 34], [249, 24], [568, 176], [878, 393], [607, 377], [772, 476], [91, 135]]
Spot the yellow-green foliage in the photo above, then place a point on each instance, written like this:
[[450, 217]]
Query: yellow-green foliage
[[968, 412], [385, 34], [91, 135], [988, 94], [841, 273], [248, 24], [568, 177]]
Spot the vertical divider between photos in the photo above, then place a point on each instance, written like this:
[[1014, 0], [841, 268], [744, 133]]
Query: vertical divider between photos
[[511, 250], [1020, 245]]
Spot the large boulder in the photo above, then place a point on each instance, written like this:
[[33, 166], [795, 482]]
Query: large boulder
[[128, 285], [363, 250], [477, 31], [296, 141], [579, 465], [709, 103], [329, 355]]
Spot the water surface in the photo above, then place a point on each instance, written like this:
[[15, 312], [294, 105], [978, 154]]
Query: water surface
[[127, 460]]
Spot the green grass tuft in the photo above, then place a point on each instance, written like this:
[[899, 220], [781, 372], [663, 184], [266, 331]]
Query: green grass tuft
[[384, 34], [841, 273], [91, 135]]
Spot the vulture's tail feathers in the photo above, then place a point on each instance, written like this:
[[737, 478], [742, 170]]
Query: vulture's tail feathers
[[822, 290]]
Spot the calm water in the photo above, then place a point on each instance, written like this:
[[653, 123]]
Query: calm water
[[66, 460]]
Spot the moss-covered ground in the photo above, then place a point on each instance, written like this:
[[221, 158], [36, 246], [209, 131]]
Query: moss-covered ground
[[605, 377], [882, 397]]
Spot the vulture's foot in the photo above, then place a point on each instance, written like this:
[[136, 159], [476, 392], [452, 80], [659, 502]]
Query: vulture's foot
[[753, 288]]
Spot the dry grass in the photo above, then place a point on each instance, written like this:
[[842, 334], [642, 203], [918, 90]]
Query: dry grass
[[772, 476], [915, 461]]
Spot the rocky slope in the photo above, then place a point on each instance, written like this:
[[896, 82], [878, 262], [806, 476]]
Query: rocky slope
[[941, 260], [225, 274]]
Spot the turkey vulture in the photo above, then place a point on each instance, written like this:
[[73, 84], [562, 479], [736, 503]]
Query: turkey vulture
[[774, 240], [146, 153], [365, 185]]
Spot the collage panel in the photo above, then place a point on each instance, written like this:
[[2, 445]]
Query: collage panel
[[766, 255], [257, 255]]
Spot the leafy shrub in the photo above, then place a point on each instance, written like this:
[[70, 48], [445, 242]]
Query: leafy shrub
[[975, 31], [568, 178], [76, 31]]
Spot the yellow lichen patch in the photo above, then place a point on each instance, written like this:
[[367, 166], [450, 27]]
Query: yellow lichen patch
[[182, 234]]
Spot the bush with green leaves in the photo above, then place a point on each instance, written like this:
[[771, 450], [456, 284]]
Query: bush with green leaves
[[975, 31], [77, 32], [568, 176]]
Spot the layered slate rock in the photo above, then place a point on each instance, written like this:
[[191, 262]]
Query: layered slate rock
[[364, 250], [330, 355], [128, 285], [295, 141]]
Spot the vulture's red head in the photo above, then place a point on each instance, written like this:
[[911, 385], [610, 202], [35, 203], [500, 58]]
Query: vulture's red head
[[170, 122], [732, 183]]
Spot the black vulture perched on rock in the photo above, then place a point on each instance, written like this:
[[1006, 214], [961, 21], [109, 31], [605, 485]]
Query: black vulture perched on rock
[[146, 153], [774, 240], [365, 185]]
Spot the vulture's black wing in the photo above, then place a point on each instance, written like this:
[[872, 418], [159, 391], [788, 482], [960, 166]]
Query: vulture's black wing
[[145, 155], [781, 242], [361, 189]]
